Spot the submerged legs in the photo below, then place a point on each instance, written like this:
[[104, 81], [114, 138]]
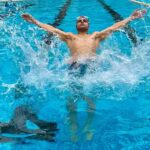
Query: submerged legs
[[72, 116], [90, 112]]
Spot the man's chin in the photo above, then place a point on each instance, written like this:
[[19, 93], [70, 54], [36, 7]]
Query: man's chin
[[82, 29]]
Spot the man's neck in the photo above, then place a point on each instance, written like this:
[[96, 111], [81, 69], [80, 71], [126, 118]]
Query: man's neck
[[82, 33]]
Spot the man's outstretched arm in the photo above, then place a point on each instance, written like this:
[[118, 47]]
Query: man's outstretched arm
[[105, 33], [62, 35]]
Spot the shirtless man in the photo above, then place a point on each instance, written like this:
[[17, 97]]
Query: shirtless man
[[83, 47]]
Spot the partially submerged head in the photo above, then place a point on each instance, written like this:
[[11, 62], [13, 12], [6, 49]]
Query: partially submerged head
[[82, 24]]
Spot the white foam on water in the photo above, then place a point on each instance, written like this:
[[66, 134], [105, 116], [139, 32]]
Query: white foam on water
[[47, 64]]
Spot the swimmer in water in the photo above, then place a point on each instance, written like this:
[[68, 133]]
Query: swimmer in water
[[83, 49]]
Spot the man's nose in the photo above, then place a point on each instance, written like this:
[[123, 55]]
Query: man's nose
[[82, 20]]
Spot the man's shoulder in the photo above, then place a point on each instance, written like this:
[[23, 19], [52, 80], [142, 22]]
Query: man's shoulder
[[95, 33], [70, 35]]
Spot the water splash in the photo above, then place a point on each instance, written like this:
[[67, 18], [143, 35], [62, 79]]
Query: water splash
[[43, 66]]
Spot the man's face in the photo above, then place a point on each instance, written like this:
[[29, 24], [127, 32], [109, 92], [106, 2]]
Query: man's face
[[82, 24]]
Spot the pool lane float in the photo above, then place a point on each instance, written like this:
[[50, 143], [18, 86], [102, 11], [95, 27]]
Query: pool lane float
[[141, 3], [14, 9], [1, 1]]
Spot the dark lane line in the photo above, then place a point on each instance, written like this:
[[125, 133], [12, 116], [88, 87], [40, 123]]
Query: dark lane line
[[20, 89], [62, 13], [117, 17], [58, 20]]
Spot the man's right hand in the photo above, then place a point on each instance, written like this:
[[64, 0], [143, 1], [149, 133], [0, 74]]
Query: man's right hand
[[29, 18]]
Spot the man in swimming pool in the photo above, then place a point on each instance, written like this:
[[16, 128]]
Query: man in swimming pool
[[83, 48]]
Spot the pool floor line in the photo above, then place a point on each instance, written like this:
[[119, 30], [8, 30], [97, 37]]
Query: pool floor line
[[62, 13], [58, 19], [117, 17], [47, 39]]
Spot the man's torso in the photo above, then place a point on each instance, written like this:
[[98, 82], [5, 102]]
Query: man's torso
[[82, 47]]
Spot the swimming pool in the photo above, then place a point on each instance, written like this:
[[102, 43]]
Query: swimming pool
[[35, 74]]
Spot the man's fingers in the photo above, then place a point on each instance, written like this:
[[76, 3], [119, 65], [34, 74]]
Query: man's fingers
[[139, 12], [25, 15], [144, 11]]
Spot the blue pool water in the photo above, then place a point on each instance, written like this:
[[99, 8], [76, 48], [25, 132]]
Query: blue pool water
[[35, 74]]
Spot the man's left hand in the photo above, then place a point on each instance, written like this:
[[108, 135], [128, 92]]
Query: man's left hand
[[137, 14]]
